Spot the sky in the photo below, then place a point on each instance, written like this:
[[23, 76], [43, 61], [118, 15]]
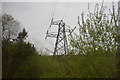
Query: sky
[[36, 17]]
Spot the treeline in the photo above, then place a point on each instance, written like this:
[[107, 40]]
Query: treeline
[[15, 50]]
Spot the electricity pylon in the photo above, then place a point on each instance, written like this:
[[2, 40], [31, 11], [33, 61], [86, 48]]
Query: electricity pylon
[[61, 44]]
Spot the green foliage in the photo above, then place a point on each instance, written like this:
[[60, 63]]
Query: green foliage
[[78, 66], [94, 65], [14, 56], [22, 36], [15, 52]]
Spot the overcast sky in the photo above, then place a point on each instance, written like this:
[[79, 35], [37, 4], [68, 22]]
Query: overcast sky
[[36, 16]]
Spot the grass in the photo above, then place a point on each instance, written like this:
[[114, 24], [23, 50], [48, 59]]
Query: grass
[[76, 66]]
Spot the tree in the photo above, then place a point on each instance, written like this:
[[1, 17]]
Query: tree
[[10, 27], [14, 48], [22, 36], [97, 33]]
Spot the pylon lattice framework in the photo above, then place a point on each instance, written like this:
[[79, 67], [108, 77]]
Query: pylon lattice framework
[[61, 44]]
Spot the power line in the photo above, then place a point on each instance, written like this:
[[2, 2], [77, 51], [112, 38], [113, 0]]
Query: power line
[[52, 15], [53, 11], [54, 8], [66, 9]]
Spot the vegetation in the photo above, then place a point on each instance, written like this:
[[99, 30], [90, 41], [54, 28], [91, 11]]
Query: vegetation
[[93, 53], [80, 66], [98, 32], [15, 50]]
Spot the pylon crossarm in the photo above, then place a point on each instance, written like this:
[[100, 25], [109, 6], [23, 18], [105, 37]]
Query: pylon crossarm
[[51, 35], [55, 22], [53, 32]]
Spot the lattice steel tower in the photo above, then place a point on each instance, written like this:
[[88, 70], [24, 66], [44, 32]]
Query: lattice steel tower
[[61, 44]]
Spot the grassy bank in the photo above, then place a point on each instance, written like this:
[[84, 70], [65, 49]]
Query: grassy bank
[[76, 66]]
